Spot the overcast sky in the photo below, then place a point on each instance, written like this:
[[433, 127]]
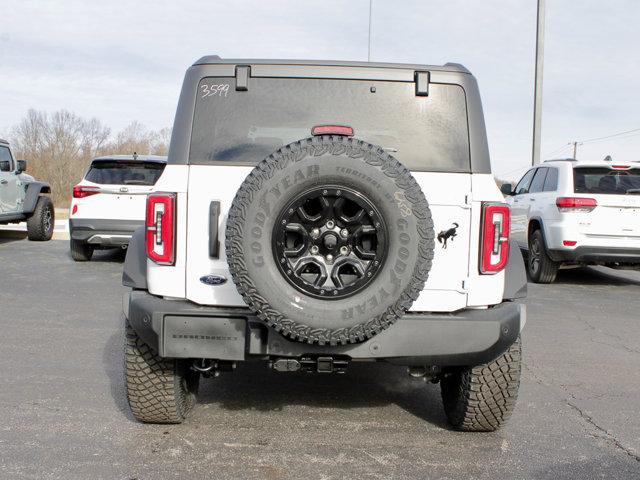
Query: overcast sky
[[120, 61]]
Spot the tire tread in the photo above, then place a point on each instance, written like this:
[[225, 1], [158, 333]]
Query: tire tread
[[35, 228], [154, 385], [482, 398], [285, 156]]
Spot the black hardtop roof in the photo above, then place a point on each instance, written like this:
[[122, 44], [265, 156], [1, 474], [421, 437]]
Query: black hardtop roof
[[131, 158], [216, 60]]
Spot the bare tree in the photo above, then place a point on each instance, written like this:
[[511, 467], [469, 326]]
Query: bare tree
[[60, 146], [136, 138]]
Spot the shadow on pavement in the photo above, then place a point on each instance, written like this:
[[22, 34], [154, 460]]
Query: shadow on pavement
[[112, 362], [254, 387], [593, 276], [7, 236], [111, 255]]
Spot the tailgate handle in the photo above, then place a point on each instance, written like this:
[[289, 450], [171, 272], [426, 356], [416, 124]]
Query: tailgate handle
[[214, 215]]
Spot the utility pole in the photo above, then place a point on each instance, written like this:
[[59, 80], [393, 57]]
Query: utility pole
[[369, 48], [575, 149], [537, 100]]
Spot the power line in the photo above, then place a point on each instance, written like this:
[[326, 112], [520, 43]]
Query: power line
[[513, 171], [557, 150], [589, 140], [619, 136]]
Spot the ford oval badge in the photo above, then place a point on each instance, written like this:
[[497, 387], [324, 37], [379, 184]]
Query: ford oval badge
[[213, 280]]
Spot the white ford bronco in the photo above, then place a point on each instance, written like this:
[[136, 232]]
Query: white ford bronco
[[314, 214], [22, 198]]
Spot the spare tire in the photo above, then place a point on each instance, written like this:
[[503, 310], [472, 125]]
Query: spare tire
[[329, 240]]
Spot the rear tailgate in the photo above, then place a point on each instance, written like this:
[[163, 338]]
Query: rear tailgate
[[234, 129], [616, 219], [446, 194], [120, 189]]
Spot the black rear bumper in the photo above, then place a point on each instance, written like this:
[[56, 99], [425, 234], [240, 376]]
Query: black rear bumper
[[103, 232], [181, 329], [598, 255]]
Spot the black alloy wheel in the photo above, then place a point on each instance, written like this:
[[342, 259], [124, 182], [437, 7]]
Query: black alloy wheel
[[330, 242]]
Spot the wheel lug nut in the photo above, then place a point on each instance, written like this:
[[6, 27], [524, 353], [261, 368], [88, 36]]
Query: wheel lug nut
[[330, 224], [344, 250], [344, 232], [329, 258], [315, 232], [314, 249]]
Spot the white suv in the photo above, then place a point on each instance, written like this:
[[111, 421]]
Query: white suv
[[314, 214], [109, 203], [577, 213]]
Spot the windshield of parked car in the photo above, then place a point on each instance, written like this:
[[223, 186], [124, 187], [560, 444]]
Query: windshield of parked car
[[425, 133], [125, 173], [606, 181]]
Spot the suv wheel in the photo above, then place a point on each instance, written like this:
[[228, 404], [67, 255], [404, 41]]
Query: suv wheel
[[159, 390], [81, 251], [40, 223], [481, 398], [541, 268]]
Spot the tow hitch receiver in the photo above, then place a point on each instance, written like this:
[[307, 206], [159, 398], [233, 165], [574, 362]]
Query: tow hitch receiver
[[310, 364]]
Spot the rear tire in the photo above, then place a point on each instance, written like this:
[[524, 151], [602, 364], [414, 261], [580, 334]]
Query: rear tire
[[539, 265], [159, 390], [482, 398], [40, 223], [81, 251]]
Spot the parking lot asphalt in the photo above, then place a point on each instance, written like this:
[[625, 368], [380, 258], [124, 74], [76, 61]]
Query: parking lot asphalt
[[63, 412]]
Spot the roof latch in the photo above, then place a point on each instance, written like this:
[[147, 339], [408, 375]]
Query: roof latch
[[422, 83], [243, 72]]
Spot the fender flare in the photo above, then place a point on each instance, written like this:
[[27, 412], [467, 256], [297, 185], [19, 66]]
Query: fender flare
[[34, 189], [134, 274], [515, 275]]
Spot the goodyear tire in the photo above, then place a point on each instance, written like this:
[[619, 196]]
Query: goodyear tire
[[342, 196]]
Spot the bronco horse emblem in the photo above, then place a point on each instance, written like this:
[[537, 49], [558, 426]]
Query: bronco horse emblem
[[445, 235]]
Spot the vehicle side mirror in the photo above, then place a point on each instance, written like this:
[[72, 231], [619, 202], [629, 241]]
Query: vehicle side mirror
[[22, 166], [5, 165], [506, 189]]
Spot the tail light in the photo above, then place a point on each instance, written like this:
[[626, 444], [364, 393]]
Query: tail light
[[576, 204], [494, 241], [81, 191], [160, 228], [332, 130]]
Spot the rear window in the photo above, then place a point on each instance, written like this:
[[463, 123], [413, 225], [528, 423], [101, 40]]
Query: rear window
[[242, 127], [606, 181], [123, 173]]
